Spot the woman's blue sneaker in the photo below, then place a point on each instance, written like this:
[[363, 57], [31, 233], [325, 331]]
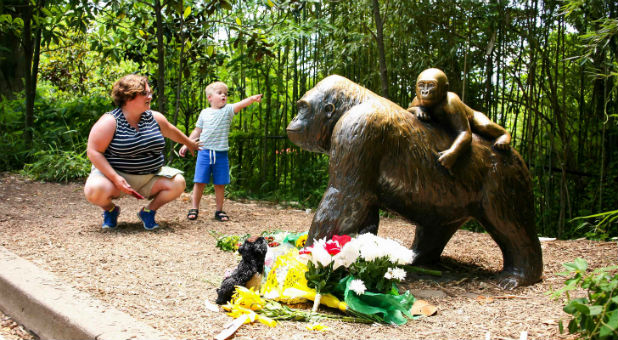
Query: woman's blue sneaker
[[110, 218], [148, 218]]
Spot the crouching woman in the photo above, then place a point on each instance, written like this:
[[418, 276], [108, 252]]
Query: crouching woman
[[126, 148]]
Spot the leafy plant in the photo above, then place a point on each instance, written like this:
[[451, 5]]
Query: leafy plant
[[323, 278], [605, 225], [595, 316], [228, 242], [58, 166]]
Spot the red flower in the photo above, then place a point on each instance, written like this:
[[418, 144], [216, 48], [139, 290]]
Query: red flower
[[341, 239], [305, 251], [332, 247]]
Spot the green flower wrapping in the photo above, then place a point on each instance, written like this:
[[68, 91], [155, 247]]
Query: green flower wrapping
[[383, 308]]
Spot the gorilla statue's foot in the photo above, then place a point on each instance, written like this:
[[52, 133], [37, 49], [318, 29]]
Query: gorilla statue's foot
[[511, 279]]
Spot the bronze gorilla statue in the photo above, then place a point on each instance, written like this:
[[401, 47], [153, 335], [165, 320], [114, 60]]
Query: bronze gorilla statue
[[382, 156]]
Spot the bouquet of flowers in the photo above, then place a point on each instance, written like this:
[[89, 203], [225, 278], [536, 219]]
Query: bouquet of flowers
[[364, 270], [325, 268]]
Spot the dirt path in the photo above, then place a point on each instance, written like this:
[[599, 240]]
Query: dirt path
[[164, 277]]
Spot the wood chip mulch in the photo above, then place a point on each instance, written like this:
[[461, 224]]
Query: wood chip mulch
[[164, 278]]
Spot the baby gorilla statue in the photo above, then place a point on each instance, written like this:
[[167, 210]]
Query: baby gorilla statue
[[434, 101], [249, 271]]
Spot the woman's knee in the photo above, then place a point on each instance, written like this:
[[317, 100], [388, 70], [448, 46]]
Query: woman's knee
[[178, 184], [97, 190]]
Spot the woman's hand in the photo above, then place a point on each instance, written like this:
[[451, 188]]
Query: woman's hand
[[192, 147], [170, 131], [121, 184], [183, 151]]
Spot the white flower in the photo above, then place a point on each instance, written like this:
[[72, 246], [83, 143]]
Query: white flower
[[371, 253], [398, 274], [369, 247], [358, 287], [348, 255], [395, 273], [396, 252], [319, 254]]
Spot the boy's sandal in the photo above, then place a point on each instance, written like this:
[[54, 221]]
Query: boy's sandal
[[192, 214], [221, 216]]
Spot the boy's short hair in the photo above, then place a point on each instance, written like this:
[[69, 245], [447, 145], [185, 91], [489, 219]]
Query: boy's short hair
[[210, 89], [127, 88]]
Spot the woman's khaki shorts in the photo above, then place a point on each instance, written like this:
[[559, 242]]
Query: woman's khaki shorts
[[141, 183]]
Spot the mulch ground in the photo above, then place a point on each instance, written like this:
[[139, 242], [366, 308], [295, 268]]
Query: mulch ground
[[164, 278]]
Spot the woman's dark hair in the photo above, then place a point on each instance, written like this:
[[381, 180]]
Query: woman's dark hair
[[127, 88]]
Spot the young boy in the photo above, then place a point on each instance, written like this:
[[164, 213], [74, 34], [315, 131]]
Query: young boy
[[213, 128]]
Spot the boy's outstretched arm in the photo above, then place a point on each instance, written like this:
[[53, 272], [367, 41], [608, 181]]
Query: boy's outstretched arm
[[246, 102], [195, 134]]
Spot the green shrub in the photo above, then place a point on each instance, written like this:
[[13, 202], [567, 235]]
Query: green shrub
[[58, 166], [64, 123], [596, 315], [604, 225]]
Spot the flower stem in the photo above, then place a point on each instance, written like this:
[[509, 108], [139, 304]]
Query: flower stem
[[316, 302], [423, 270]]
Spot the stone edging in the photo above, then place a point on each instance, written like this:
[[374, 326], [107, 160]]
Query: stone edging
[[51, 309]]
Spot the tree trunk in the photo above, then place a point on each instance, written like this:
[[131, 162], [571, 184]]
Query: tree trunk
[[32, 49], [158, 9], [380, 43], [12, 65]]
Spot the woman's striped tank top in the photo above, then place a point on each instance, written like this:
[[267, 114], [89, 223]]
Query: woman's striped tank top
[[136, 152]]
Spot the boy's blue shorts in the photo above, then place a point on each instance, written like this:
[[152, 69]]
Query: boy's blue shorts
[[212, 163]]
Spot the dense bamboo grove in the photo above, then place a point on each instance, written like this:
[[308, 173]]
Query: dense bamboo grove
[[546, 70]]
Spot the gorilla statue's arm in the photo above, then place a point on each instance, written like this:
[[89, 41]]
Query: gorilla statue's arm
[[350, 199]]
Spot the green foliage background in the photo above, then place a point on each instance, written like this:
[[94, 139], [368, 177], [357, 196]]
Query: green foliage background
[[546, 70]]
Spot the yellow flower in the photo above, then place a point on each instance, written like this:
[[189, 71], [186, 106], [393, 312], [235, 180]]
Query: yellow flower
[[317, 327], [246, 302], [300, 242], [247, 298], [266, 320]]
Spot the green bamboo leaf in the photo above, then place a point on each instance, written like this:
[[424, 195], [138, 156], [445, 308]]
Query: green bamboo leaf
[[270, 3], [187, 12]]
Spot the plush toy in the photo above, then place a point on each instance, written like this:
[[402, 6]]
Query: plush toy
[[249, 271]]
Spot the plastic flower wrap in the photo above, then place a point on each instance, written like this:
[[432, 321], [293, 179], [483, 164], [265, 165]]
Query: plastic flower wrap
[[286, 283]]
